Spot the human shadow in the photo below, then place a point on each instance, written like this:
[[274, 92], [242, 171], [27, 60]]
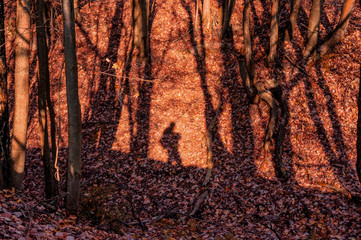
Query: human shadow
[[170, 141]]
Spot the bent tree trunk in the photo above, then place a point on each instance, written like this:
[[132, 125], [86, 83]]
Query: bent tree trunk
[[293, 20], [4, 110], [313, 27], [21, 105], [51, 185], [248, 79], [74, 113], [340, 28], [274, 32]]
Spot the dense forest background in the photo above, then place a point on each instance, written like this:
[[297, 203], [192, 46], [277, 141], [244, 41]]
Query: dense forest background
[[194, 135]]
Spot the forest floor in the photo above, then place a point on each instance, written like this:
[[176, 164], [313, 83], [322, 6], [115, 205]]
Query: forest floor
[[145, 138]]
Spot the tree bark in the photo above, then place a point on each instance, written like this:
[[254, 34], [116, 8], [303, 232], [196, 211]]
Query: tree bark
[[293, 20], [4, 109], [313, 27], [51, 185], [227, 10], [340, 28], [358, 143], [248, 80], [140, 15], [206, 13], [21, 105], [74, 112], [274, 32]]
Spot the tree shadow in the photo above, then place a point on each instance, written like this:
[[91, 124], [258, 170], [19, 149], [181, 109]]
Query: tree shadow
[[338, 159], [259, 28], [105, 110]]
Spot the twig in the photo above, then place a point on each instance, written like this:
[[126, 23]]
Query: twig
[[44, 203], [270, 228], [294, 64], [141, 224], [116, 76], [199, 202]]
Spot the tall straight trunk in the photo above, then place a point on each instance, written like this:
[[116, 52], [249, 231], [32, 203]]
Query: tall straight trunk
[[227, 10], [340, 28], [51, 185], [21, 105], [140, 15], [74, 112], [248, 80], [293, 20], [358, 143], [4, 110], [313, 27], [206, 13], [274, 32]]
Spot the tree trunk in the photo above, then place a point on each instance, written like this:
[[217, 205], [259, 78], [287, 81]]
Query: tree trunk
[[140, 14], [293, 20], [340, 28], [358, 144], [21, 105], [4, 110], [248, 79], [51, 185], [74, 112], [313, 27], [206, 13], [227, 10], [274, 32]]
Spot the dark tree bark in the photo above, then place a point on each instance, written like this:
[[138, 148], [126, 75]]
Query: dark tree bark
[[358, 143], [313, 27], [51, 184], [4, 110], [274, 32], [140, 15], [21, 105], [340, 28], [227, 10], [293, 20], [74, 112]]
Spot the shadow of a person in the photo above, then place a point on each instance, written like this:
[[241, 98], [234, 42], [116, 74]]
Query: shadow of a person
[[170, 141]]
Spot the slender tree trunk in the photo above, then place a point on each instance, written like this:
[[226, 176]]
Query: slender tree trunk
[[51, 185], [140, 14], [74, 112], [313, 27], [4, 110], [340, 28], [227, 10], [274, 32], [206, 13], [248, 80], [293, 20], [21, 105], [358, 144]]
